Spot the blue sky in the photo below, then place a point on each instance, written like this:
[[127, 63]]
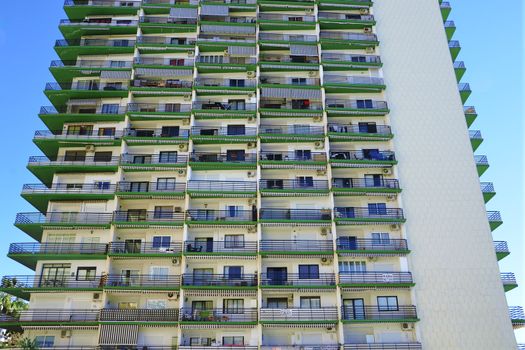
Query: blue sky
[[492, 51]]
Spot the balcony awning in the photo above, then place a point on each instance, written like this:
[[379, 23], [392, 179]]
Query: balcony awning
[[215, 10], [210, 28], [183, 12], [303, 50], [83, 102], [119, 334], [241, 50], [109, 74], [159, 72], [291, 93]]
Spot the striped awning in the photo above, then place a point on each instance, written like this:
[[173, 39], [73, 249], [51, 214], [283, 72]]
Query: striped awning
[[118, 334], [112, 74], [210, 28], [83, 102], [215, 10], [241, 50], [303, 50], [291, 93], [183, 12], [159, 72]]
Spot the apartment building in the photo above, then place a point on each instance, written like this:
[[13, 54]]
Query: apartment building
[[260, 174]]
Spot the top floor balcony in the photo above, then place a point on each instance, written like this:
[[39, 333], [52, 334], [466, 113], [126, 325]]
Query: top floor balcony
[[79, 9], [69, 50], [75, 29]]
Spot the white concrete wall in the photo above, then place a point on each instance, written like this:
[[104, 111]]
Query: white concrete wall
[[458, 291]]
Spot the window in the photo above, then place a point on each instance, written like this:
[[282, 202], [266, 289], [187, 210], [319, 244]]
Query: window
[[310, 302], [275, 184], [86, 273], [110, 108], [373, 180], [117, 64], [233, 241], [364, 104], [233, 211], [380, 238], [277, 303], [166, 184], [358, 59], [237, 82], [308, 271], [102, 156], [298, 81], [303, 155], [138, 186], [235, 155], [45, 341], [169, 131], [295, 19], [352, 266], [376, 208], [80, 129], [236, 130], [132, 246], [106, 132], [387, 304], [75, 156], [168, 157], [305, 181], [163, 212], [161, 241], [368, 128], [201, 277], [54, 275], [233, 341], [102, 185], [233, 272], [159, 272], [233, 306]]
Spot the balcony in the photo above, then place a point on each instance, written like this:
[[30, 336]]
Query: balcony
[[152, 44], [373, 279], [359, 132], [168, 24], [51, 317], [487, 189], [383, 346], [23, 285], [334, 20], [40, 195], [221, 217], [80, 9], [482, 164], [217, 161], [291, 133], [225, 64], [509, 281], [450, 29], [171, 63], [222, 189], [60, 93], [368, 215], [171, 135], [142, 282], [295, 216], [318, 316], [219, 281], [459, 69], [141, 316], [464, 91], [144, 249], [149, 111], [291, 107], [299, 281], [302, 347], [151, 162], [271, 39], [75, 29], [66, 71], [445, 9], [517, 316], [475, 139], [50, 141], [344, 62], [275, 21], [220, 42], [223, 317], [223, 134], [352, 84], [364, 186], [143, 218], [29, 254], [352, 246], [292, 160], [495, 220], [332, 5], [221, 110], [293, 187], [173, 86], [34, 223], [362, 158], [45, 169], [342, 108], [150, 190], [354, 41], [455, 47], [270, 62], [502, 249], [379, 314], [222, 248], [289, 83], [470, 114], [216, 86], [56, 118], [297, 248], [69, 50]]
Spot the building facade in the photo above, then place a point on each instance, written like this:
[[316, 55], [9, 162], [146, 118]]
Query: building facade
[[260, 175]]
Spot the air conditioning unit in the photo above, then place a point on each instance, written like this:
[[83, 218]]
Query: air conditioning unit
[[312, 73], [391, 197], [251, 95], [326, 261], [252, 229], [251, 119], [226, 53], [367, 30], [173, 296], [251, 173], [183, 147], [90, 148], [252, 144], [370, 49], [187, 97], [309, 11], [186, 121], [330, 329], [97, 297], [325, 231], [191, 53], [321, 172], [407, 326], [252, 202], [318, 118], [387, 171], [395, 227], [364, 11], [65, 333], [250, 74], [175, 261], [319, 144], [181, 172]]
